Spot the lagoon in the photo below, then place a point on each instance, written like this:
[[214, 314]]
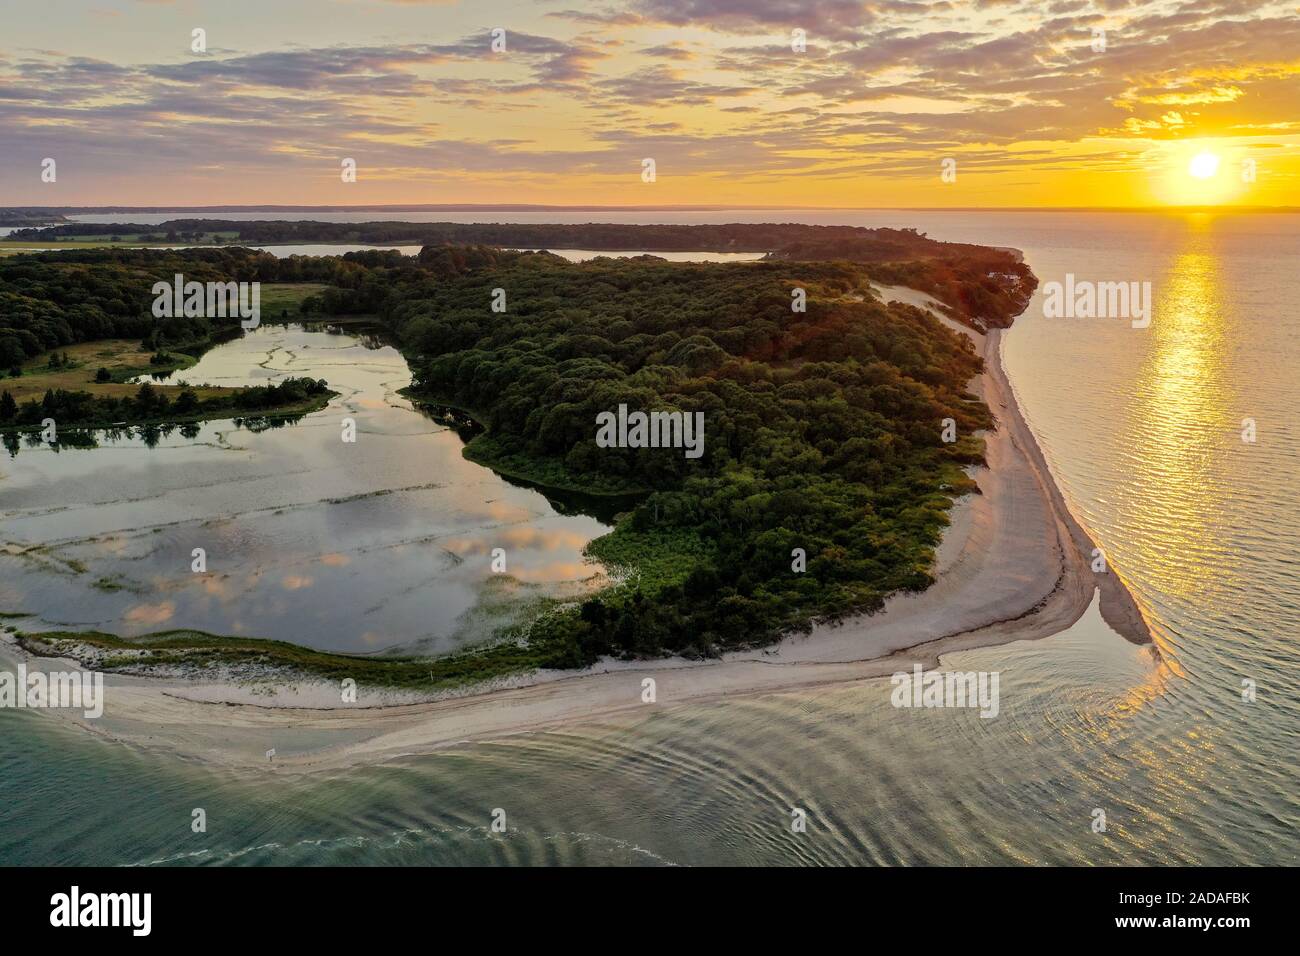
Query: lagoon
[[380, 545]]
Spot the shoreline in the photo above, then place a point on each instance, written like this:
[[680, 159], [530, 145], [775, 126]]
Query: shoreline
[[1013, 565], [300, 410]]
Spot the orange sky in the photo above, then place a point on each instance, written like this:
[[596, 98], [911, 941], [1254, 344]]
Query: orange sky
[[1033, 104]]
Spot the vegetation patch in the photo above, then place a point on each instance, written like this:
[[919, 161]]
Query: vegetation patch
[[151, 406], [197, 654]]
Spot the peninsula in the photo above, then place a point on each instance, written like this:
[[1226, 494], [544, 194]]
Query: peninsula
[[853, 504]]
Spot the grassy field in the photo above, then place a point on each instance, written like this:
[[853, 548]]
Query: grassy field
[[278, 297], [13, 247], [124, 240], [122, 357], [125, 359]]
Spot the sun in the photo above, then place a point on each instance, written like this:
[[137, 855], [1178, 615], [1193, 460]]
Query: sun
[[1195, 173], [1203, 165]]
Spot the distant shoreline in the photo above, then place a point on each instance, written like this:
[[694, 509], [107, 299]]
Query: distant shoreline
[[560, 207]]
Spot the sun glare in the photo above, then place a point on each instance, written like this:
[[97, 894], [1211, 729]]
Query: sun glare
[[1196, 174], [1204, 165]]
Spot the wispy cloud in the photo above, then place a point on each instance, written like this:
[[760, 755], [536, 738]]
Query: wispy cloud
[[711, 88]]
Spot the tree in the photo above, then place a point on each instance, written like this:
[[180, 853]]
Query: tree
[[8, 407], [103, 375], [12, 352]]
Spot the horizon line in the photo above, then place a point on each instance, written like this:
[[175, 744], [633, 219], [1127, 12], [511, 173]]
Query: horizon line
[[583, 207]]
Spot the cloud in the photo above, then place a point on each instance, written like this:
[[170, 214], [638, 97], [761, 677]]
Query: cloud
[[838, 19], [884, 86]]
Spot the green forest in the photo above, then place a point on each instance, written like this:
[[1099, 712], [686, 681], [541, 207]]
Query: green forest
[[991, 285], [150, 406], [822, 430], [822, 427], [49, 300]]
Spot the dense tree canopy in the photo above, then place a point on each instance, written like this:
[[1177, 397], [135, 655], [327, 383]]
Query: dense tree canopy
[[974, 282], [823, 428], [150, 405]]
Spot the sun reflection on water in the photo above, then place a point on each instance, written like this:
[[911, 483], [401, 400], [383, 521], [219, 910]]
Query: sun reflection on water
[[1181, 413]]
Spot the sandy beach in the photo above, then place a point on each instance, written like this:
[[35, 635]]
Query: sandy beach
[[1014, 565]]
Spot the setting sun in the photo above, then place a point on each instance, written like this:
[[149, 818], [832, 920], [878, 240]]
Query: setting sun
[[1204, 165], [1199, 173]]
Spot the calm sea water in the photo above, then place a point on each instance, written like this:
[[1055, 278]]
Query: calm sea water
[[1143, 429]]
